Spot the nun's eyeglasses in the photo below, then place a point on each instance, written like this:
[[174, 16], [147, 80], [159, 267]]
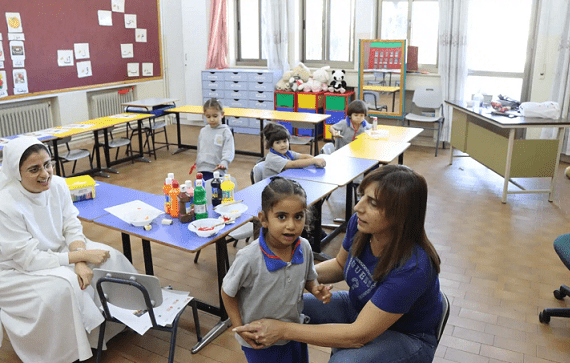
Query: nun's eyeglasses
[[35, 170]]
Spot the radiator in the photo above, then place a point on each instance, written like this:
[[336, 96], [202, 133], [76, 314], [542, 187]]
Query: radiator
[[108, 104], [28, 118]]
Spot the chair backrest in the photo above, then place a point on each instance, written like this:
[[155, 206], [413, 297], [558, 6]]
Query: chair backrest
[[208, 187], [562, 248], [444, 315], [428, 97], [328, 148], [257, 172], [121, 289], [303, 126]]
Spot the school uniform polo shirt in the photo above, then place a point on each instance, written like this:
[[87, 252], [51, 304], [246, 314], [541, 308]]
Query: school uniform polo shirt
[[275, 162], [347, 131]]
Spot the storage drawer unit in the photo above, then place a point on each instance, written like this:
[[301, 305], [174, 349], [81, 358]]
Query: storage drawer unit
[[262, 105], [285, 99], [238, 121], [335, 105]]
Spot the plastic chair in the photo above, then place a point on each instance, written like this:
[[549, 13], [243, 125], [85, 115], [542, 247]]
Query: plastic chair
[[243, 232], [328, 148], [257, 172], [72, 155], [376, 106], [302, 140], [562, 248], [444, 315], [430, 98], [135, 292], [116, 143], [154, 128]]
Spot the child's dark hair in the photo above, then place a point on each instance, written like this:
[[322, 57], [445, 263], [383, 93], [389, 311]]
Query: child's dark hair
[[278, 189], [213, 103], [274, 132], [357, 106]]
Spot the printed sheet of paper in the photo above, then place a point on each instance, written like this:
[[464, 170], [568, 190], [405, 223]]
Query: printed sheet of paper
[[17, 52], [140, 35], [130, 21], [20, 78], [105, 17], [147, 69], [65, 58], [127, 51], [14, 22], [16, 36], [121, 211], [3, 84], [80, 126], [84, 69], [133, 69], [121, 115], [56, 131], [81, 50], [2, 58], [118, 6]]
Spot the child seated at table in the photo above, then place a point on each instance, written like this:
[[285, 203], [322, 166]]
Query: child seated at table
[[216, 148], [268, 277], [346, 131], [280, 157]]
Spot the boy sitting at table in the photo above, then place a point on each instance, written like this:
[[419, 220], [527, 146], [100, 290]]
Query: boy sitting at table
[[346, 131]]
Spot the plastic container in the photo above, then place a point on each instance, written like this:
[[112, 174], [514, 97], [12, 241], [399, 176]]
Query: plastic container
[[166, 190], [200, 201], [374, 123], [174, 192], [216, 189], [185, 211], [477, 102], [228, 187], [190, 191]]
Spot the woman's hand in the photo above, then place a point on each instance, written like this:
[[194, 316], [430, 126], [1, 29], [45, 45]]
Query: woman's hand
[[84, 274], [322, 292], [264, 332], [319, 162], [96, 257]]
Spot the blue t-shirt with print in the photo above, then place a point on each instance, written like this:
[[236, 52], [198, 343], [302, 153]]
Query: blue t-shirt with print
[[411, 289]]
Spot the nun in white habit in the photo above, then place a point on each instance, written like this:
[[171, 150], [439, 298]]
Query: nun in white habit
[[47, 302]]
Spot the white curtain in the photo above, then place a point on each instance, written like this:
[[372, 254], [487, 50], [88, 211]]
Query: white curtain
[[274, 33], [452, 53]]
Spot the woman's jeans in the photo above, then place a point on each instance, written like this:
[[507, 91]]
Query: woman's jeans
[[391, 346]]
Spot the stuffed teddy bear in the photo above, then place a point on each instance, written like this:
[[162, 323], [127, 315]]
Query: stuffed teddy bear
[[338, 84], [321, 79], [301, 74], [283, 84]]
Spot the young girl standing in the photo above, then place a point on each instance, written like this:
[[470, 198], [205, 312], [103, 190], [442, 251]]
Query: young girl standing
[[268, 277], [346, 131], [216, 148], [280, 157]]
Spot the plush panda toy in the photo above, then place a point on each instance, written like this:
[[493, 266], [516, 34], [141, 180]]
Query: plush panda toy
[[338, 84]]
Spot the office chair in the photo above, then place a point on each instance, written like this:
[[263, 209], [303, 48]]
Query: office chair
[[135, 292], [72, 155], [562, 248], [430, 98], [243, 232]]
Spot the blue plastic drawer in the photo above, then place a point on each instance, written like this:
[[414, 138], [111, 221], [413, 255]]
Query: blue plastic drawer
[[261, 95], [212, 75], [267, 76], [212, 84], [310, 131], [254, 123], [310, 110], [212, 93], [236, 85], [236, 95], [238, 121], [261, 105], [261, 86], [236, 103], [235, 76], [336, 116]]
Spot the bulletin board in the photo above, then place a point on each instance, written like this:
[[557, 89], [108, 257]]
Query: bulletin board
[[65, 45]]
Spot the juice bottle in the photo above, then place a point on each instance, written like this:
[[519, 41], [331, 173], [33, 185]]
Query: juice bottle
[[216, 189], [166, 189], [190, 191], [200, 201], [174, 191], [185, 212], [228, 187]]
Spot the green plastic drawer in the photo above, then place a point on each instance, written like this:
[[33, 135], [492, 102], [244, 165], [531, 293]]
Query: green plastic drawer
[[335, 103], [285, 100]]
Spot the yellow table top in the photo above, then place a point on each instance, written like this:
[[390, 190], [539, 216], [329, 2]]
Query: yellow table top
[[98, 124], [395, 133], [383, 151], [259, 114], [381, 88]]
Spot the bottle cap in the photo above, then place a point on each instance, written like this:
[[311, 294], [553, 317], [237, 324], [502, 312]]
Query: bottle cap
[[216, 174], [199, 176], [183, 188], [169, 181], [171, 175], [227, 177], [188, 184], [175, 183]]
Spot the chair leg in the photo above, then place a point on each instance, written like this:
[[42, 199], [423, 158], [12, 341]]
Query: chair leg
[[196, 319], [100, 343], [197, 256], [74, 165], [437, 140], [152, 134], [166, 139], [62, 168]]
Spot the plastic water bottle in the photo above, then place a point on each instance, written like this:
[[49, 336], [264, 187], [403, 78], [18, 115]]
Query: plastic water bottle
[[477, 102], [374, 123], [228, 187], [174, 192], [200, 201], [166, 190], [216, 189]]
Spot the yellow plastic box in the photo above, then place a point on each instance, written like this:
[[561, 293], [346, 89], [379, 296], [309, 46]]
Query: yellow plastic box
[[81, 187]]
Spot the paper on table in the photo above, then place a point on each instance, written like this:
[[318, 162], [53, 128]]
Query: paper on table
[[79, 126], [121, 211], [121, 115], [55, 131], [378, 134]]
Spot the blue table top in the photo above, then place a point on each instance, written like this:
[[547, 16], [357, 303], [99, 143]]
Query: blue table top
[[42, 138], [338, 171]]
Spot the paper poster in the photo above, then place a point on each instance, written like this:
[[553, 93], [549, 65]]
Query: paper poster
[[147, 69], [16, 36], [18, 63], [130, 21], [118, 6], [14, 22], [65, 58], [17, 52], [20, 81], [140, 35], [3, 84], [2, 52], [1, 64], [0, 36], [105, 17], [127, 51], [84, 69], [132, 69], [81, 50]]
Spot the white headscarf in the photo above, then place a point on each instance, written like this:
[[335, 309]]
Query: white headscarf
[[12, 153]]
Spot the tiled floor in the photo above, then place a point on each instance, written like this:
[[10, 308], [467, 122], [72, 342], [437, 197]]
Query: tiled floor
[[498, 265]]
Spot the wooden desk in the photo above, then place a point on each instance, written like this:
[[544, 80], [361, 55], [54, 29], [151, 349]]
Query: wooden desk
[[392, 90], [373, 149], [491, 141], [310, 118]]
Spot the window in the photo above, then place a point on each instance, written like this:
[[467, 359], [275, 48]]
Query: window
[[421, 30], [328, 33], [250, 49]]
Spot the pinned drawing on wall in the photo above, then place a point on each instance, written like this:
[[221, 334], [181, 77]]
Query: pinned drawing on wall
[[105, 17], [0, 36], [20, 81], [118, 6], [14, 22], [147, 69], [84, 69], [127, 51], [2, 59], [16, 36], [132, 69], [17, 53], [3, 84], [65, 58], [81, 50], [141, 35], [130, 21]]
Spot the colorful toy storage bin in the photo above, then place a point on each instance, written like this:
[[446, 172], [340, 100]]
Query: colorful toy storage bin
[[310, 102], [336, 105], [285, 101]]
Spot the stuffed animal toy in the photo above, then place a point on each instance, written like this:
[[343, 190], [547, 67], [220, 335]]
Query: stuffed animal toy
[[338, 84], [301, 74], [283, 84], [321, 79]]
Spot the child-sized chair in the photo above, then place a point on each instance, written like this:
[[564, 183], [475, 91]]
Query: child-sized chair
[[430, 98]]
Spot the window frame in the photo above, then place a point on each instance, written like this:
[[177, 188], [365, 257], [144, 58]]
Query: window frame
[[256, 62], [326, 39]]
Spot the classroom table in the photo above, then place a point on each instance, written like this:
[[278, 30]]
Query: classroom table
[[396, 134], [150, 103], [374, 149], [392, 90], [494, 142], [314, 119], [383, 72]]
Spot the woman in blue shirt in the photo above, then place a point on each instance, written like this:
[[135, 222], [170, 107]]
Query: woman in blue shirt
[[393, 306]]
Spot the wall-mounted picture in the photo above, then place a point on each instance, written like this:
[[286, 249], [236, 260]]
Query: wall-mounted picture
[[147, 69], [1, 52], [3, 84], [20, 81], [14, 22], [133, 70], [81, 50], [105, 17], [17, 48], [130, 21], [127, 51], [118, 6], [65, 58], [140, 35], [84, 69]]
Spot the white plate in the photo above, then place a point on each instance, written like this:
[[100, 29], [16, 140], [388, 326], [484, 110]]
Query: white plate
[[140, 217], [231, 211], [206, 222]]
